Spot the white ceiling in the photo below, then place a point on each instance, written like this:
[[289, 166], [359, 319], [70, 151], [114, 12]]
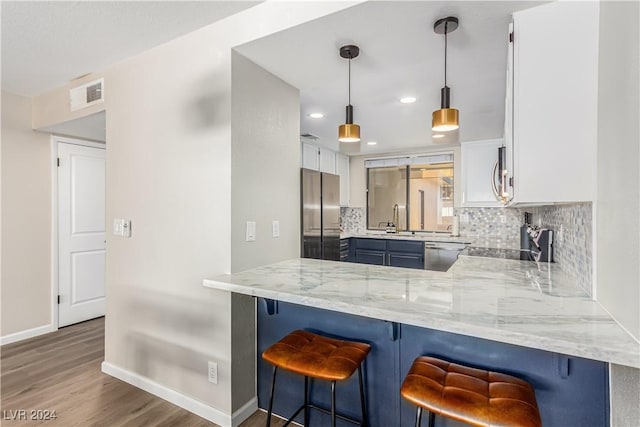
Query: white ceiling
[[45, 44], [400, 55]]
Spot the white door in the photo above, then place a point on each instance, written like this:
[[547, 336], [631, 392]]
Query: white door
[[81, 233]]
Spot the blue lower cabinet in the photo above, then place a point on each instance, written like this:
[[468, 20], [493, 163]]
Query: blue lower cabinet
[[370, 257], [394, 253], [344, 249], [380, 368], [371, 244], [570, 391], [407, 260]]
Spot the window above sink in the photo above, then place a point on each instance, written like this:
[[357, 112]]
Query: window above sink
[[411, 193]]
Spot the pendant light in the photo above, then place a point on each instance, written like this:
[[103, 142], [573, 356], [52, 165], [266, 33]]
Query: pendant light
[[446, 118], [349, 132]]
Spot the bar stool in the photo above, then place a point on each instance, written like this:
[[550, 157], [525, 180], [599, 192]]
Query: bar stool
[[474, 396], [315, 356]]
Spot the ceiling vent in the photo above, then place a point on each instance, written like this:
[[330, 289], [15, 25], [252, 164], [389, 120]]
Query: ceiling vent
[[309, 136], [87, 95]]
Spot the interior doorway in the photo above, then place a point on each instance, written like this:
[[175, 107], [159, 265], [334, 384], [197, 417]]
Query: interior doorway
[[81, 230]]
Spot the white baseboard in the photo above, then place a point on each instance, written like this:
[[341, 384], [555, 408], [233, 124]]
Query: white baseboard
[[244, 412], [29, 333], [216, 416]]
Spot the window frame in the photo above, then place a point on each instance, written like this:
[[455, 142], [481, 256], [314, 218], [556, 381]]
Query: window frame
[[407, 161]]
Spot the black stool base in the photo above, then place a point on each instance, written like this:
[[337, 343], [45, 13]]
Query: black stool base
[[308, 405], [324, 411], [432, 417]]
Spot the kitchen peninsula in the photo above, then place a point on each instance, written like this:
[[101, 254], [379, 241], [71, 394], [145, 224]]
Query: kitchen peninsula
[[517, 317]]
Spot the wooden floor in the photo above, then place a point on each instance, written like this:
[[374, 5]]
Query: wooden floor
[[61, 372]]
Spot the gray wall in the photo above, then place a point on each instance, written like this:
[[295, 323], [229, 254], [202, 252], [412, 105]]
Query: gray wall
[[265, 186], [625, 396], [265, 165]]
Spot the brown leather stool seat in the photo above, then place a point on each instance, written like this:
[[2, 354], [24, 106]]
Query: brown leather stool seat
[[474, 396], [319, 357]]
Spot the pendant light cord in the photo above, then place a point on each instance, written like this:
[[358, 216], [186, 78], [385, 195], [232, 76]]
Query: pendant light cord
[[445, 53], [349, 79]]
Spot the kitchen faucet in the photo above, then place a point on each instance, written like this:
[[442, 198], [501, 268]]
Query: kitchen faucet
[[396, 217]]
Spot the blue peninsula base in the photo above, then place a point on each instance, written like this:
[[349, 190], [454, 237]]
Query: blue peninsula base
[[571, 391]]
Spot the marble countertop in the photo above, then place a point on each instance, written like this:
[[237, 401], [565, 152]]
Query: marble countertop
[[516, 302]]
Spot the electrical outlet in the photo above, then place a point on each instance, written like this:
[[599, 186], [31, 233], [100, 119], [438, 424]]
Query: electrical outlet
[[213, 372], [251, 231], [275, 228], [464, 217], [503, 219]]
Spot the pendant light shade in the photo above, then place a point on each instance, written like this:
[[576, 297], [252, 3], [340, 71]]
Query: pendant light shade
[[446, 118], [349, 132]]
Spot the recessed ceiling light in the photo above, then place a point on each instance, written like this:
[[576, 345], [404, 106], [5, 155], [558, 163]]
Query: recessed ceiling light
[[371, 143], [316, 115], [437, 135], [408, 100]]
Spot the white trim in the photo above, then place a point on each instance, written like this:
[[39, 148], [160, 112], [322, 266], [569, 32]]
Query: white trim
[[29, 333], [55, 286], [201, 409], [594, 249], [248, 409], [54, 231], [76, 141], [610, 395]]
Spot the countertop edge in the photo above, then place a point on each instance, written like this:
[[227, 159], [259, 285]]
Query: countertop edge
[[515, 338]]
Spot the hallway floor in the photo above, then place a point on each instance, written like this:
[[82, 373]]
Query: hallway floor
[[61, 372]]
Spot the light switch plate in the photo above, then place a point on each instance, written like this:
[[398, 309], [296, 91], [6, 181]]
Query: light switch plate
[[275, 228], [118, 225], [251, 231], [121, 227]]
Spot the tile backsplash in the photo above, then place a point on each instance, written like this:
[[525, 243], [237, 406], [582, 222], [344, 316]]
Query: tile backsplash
[[501, 226], [496, 224], [573, 244], [352, 220]]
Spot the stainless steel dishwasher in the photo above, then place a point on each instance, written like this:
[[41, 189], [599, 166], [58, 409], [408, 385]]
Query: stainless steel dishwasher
[[440, 256]]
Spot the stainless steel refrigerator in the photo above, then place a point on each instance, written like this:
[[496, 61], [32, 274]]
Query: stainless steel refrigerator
[[320, 215]]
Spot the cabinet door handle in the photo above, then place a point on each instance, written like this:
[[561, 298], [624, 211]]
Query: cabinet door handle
[[493, 180]]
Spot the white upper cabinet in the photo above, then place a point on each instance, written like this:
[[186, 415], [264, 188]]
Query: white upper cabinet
[[318, 158], [479, 170], [310, 157], [553, 117], [342, 169], [327, 161]]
